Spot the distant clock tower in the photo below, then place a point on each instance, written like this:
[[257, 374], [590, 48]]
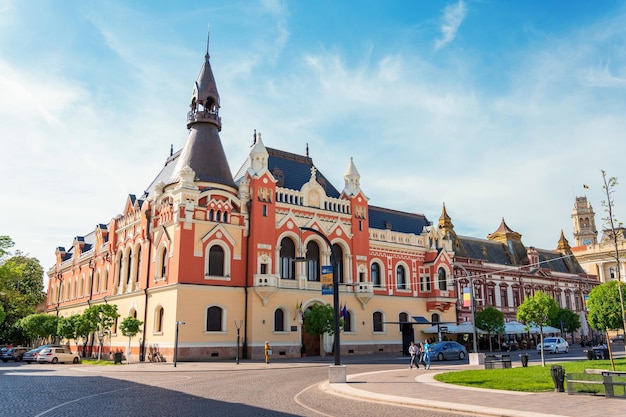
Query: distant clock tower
[[585, 232]]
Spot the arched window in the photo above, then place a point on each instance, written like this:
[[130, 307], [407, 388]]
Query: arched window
[[158, 320], [441, 279], [312, 261], [216, 261], [339, 254], [377, 321], [118, 270], [403, 318], [612, 272], [347, 321], [138, 271], [214, 319], [105, 282], [434, 318], [133, 313], [376, 281], [287, 256], [401, 278], [129, 262], [163, 263], [279, 320]]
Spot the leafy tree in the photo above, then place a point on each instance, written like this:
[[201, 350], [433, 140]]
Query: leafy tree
[[69, 328], [490, 320], [566, 320], [2, 314], [21, 287], [539, 309], [318, 320], [100, 319], [604, 306], [130, 327], [40, 326]]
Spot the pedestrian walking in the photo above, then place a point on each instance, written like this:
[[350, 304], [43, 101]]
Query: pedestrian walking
[[426, 355], [413, 352], [268, 352]]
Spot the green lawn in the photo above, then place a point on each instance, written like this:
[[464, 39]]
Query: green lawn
[[534, 378]]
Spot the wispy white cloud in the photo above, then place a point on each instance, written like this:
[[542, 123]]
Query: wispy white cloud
[[453, 16]]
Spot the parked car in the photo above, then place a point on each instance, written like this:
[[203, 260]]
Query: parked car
[[618, 339], [31, 355], [14, 354], [56, 355], [554, 345], [447, 350]]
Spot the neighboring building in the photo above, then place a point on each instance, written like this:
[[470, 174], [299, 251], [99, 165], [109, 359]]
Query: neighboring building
[[596, 257], [223, 254], [504, 272]]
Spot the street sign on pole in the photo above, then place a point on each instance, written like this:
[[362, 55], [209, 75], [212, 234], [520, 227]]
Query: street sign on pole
[[327, 280]]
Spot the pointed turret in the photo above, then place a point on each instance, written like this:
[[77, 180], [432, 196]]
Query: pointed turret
[[258, 156], [352, 180], [504, 234], [563, 245], [203, 151], [445, 222]]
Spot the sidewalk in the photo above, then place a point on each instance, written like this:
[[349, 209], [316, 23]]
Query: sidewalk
[[417, 387]]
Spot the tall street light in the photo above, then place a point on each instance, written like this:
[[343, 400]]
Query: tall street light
[[176, 342], [472, 307], [341, 375]]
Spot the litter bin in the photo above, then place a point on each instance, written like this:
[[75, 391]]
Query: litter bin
[[589, 354], [558, 377], [117, 357], [524, 358]]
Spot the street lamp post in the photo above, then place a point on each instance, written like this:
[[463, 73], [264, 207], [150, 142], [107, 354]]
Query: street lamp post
[[473, 310], [341, 375], [176, 342]]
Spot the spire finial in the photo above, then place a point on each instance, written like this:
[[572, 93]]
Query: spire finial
[[307, 150], [254, 137], [208, 35], [171, 149]]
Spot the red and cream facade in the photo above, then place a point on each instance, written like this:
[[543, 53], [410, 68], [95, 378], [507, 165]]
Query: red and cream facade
[[223, 253]]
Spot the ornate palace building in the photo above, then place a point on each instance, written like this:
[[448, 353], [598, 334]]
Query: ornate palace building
[[504, 272], [227, 255]]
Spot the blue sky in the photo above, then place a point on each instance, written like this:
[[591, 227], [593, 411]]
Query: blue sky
[[500, 109]]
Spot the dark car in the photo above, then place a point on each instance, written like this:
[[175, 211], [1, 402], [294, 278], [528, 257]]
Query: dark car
[[14, 354], [447, 350]]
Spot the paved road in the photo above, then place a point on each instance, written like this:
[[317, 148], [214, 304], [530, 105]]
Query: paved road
[[190, 389], [284, 388]]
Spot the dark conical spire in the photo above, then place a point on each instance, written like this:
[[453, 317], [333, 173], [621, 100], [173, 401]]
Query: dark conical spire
[[203, 152], [205, 100]]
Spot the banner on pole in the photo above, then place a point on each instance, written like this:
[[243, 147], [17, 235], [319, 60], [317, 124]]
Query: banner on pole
[[467, 297], [327, 279]]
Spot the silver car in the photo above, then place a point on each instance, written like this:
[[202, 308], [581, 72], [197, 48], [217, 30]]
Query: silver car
[[554, 345], [56, 355]]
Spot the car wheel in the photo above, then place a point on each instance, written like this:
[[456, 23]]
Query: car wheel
[[440, 356], [5, 360], [461, 355], [55, 360], [75, 360]]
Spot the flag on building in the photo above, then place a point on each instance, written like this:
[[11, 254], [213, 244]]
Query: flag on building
[[585, 186]]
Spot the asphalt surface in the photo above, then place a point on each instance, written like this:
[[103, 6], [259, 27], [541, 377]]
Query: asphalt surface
[[378, 385]]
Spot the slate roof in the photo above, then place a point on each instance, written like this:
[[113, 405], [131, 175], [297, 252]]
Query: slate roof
[[499, 253], [398, 221], [295, 169]]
